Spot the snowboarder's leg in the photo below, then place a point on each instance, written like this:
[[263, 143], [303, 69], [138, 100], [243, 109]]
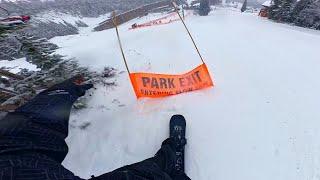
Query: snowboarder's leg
[[36, 133], [160, 167], [167, 164], [32, 142], [167, 159]]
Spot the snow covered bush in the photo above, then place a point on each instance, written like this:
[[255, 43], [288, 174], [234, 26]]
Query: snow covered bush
[[305, 13], [53, 69], [310, 15]]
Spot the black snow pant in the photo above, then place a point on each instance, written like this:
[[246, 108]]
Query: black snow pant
[[32, 142]]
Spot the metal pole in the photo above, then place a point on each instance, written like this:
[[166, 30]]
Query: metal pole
[[185, 26], [182, 6], [114, 21]]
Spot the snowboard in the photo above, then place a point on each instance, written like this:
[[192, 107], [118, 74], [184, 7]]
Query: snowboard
[[177, 133]]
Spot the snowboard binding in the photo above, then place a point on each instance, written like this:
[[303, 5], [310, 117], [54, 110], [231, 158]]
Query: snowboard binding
[[177, 136]]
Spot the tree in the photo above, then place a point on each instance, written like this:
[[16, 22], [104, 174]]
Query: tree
[[204, 8], [299, 6], [38, 51], [281, 10], [2, 32], [285, 10], [305, 13], [310, 15], [244, 6], [274, 10], [214, 2]]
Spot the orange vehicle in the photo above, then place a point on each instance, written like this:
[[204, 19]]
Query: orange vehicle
[[265, 7], [263, 12]]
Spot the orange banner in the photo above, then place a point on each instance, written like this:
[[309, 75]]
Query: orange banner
[[160, 21], [162, 85]]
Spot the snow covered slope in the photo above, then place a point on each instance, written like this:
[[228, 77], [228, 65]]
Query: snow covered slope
[[59, 17], [260, 122]]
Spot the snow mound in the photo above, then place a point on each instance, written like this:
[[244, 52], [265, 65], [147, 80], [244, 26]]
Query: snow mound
[[16, 65]]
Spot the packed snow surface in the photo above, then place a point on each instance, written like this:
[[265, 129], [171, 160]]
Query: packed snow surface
[[260, 121]]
